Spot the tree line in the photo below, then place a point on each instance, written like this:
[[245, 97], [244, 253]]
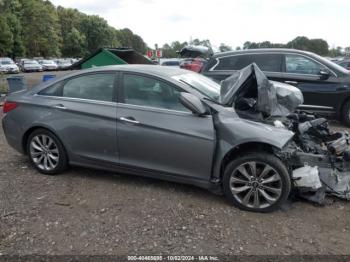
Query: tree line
[[35, 28], [318, 46]]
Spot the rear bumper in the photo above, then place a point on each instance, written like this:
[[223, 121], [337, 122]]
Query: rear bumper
[[12, 133]]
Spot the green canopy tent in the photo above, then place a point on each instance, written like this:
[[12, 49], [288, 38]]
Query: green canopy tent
[[111, 56]]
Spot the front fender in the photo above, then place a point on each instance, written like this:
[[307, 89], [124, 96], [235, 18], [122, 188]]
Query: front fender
[[232, 132]]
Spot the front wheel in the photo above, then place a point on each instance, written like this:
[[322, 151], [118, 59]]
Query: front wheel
[[46, 152], [257, 182]]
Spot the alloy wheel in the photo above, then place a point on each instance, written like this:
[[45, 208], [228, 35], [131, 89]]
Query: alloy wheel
[[256, 185], [44, 152]]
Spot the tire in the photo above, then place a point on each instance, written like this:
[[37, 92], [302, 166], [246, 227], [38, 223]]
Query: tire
[[46, 152], [345, 113], [263, 192]]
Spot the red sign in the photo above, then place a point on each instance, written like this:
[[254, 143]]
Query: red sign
[[159, 53], [150, 53]]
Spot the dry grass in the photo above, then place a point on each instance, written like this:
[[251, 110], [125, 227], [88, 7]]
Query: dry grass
[[3, 84]]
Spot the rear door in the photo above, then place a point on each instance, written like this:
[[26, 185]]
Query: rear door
[[319, 93], [156, 132], [82, 110]]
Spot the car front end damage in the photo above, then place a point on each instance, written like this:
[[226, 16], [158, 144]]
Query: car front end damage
[[319, 155], [317, 159]]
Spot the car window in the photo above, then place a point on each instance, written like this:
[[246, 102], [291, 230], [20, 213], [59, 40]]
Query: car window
[[93, 86], [266, 62], [147, 91], [297, 64], [345, 64]]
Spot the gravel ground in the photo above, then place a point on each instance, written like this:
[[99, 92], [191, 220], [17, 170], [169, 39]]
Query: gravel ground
[[95, 212]]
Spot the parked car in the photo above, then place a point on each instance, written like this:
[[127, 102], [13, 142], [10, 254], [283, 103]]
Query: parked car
[[170, 62], [324, 84], [166, 123], [28, 65], [48, 65], [193, 64], [63, 64], [345, 63], [8, 66], [194, 57]]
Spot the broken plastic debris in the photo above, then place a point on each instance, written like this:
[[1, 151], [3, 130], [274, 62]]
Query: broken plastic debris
[[278, 124], [308, 177]]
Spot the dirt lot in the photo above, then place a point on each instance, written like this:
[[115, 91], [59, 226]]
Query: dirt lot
[[94, 212]]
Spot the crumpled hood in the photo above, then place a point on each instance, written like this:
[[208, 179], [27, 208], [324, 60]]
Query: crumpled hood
[[268, 97]]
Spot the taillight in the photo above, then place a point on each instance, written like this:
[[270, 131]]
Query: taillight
[[8, 106]]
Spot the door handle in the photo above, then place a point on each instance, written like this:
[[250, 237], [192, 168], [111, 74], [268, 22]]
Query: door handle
[[129, 120], [59, 106], [291, 82]]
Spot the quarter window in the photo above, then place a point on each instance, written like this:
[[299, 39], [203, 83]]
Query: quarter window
[[266, 62], [147, 91], [93, 87], [296, 64]]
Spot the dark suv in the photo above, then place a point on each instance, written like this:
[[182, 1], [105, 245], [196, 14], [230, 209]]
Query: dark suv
[[324, 84]]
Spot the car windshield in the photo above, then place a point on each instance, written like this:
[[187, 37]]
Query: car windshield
[[202, 84], [7, 62], [48, 62], [31, 62], [336, 66]]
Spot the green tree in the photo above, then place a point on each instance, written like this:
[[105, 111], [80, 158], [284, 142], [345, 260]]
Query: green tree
[[97, 32], [224, 48], [75, 44], [334, 52], [347, 50], [18, 49], [128, 39], [40, 28], [318, 46], [6, 39], [69, 27]]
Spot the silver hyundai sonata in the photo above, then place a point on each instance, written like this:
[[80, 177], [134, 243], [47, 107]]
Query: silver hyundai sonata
[[153, 121]]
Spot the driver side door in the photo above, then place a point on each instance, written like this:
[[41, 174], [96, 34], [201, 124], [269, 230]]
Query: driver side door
[[156, 132]]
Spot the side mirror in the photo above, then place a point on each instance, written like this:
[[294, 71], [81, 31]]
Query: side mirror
[[193, 103], [324, 74]]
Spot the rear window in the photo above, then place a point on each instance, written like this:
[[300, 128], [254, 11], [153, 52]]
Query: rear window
[[266, 62], [98, 87]]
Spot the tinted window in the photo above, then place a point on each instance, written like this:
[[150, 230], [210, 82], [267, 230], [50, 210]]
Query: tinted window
[[297, 64], [147, 91], [345, 64], [94, 87], [266, 62], [171, 63]]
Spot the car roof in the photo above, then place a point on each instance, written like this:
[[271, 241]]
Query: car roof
[[148, 69], [261, 50]]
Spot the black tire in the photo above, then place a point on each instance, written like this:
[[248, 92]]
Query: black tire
[[258, 186], [55, 149], [345, 113]]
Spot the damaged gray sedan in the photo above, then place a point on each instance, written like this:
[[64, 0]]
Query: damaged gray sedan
[[243, 138]]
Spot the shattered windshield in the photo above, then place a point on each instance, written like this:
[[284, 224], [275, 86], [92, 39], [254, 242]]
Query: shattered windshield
[[201, 84]]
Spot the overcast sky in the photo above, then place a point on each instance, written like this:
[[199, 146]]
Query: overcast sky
[[224, 21]]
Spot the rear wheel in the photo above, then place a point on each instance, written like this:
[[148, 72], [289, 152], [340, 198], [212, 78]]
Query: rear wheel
[[346, 113], [256, 182], [46, 152]]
